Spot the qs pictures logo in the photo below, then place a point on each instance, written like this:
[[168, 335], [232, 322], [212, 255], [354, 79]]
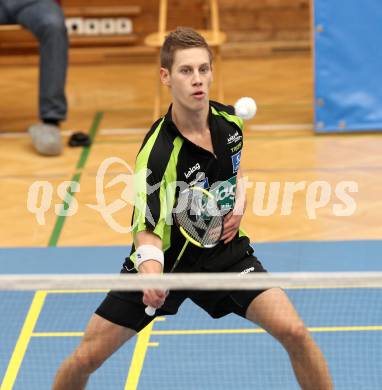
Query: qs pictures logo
[[40, 195]]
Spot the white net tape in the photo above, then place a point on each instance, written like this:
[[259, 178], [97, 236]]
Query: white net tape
[[192, 281]]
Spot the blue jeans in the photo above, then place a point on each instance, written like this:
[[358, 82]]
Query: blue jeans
[[45, 19]]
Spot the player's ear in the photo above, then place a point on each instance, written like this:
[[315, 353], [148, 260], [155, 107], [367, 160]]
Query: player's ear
[[165, 76]]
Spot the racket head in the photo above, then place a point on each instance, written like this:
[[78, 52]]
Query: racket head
[[199, 217]]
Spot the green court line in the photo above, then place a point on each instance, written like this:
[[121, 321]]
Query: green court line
[[61, 218], [76, 178], [92, 133]]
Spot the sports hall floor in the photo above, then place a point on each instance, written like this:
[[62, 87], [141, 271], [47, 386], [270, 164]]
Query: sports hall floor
[[190, 351]]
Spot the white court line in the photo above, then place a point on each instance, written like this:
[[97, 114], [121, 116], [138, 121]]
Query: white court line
[[143, 130], [128, 130], [285, 127], [131, 130], [25, 134]]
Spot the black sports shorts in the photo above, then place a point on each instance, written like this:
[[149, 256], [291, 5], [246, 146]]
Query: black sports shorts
[[127, 309]]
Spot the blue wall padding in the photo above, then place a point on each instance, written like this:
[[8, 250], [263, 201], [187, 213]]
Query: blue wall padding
[[348, 65]]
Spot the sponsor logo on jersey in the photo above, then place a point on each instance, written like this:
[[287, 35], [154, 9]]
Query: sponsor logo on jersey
[[224, 193], [247, 271], [233, 138], [191, 170], [236, 148], [236, 161]]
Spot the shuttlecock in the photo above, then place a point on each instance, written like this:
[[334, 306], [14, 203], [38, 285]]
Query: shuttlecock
[[245, 108]]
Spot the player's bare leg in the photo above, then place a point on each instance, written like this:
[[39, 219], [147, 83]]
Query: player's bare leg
[[273, 311], [102, 338]]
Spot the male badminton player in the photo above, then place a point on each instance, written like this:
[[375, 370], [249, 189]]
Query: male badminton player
[[198, 143]]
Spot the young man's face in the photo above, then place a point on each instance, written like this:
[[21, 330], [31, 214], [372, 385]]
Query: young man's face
[[190, 78]]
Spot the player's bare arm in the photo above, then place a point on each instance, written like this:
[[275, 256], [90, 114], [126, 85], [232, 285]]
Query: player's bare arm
[[151, 297]]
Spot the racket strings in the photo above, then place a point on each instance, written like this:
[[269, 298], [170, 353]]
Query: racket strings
[[200, 217]]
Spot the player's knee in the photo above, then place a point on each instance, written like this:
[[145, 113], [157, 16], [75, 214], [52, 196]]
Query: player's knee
[[87, 360], [294, 336]]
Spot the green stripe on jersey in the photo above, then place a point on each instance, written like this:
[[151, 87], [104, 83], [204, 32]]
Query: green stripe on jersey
[[167, 193], [167, 200], [230, 118], [140, 184]]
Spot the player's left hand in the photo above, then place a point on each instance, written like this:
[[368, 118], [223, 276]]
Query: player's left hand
[[231, 226]]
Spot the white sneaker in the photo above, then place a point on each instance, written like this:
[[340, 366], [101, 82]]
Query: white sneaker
[[46, 139]]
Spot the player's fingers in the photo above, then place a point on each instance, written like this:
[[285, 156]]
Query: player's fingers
[[147, 298], [153, 303], [161, 294], [229, 221], [226, 233], [229, 228], [229, 238], [151, 298], [233, 221], [228, 216], [229, 225], [230, 233], [160, 297], [147, 301]]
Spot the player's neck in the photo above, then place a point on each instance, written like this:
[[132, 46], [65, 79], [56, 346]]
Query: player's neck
[[188, 121]]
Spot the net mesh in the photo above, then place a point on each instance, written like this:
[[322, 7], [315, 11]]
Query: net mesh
[[44, 317]]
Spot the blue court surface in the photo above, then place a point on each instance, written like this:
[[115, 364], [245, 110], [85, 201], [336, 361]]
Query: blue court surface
[[191, 350]]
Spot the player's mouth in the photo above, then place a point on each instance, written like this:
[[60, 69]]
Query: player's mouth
[[199, 95]]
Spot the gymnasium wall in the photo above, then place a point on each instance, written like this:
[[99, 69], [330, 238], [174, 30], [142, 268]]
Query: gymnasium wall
[[348, 65], [253, 27]]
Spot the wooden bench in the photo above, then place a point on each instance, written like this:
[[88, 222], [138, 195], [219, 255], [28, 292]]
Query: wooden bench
[[15, 39]]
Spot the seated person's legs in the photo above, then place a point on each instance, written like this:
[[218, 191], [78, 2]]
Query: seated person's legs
[[4, 17], [46, 21]]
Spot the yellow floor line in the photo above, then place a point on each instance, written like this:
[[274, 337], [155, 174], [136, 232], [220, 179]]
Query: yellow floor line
[[57, 334], [204, 331], [345, 328], [76, 291], [220, 331], [257, 330], [23, 340], [138, 358]]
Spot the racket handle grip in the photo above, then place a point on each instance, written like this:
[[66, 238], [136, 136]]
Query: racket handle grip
[[150, 311]]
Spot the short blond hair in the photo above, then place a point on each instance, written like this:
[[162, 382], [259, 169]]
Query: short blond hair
[[181, 38]]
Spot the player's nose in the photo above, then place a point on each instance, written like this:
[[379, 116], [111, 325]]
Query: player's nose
[[196, 80]]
